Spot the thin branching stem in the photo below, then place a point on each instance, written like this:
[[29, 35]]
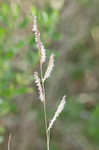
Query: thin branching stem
[[44, 107]]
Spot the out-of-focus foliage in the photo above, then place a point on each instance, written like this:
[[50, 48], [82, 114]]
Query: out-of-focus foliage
[[92, 130], [82, 75]]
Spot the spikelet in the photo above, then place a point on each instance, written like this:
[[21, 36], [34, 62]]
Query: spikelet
[[38, 41], [57, 113], [49, 68], [38, 84], [34, 29], [42, 53]]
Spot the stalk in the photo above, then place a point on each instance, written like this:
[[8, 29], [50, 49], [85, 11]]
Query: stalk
[[44, 108]]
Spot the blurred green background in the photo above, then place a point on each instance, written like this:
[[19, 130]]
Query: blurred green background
[[69, 29]]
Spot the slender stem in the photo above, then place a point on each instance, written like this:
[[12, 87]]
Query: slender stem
[[9, 141], [44, 107], [47, 135]]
